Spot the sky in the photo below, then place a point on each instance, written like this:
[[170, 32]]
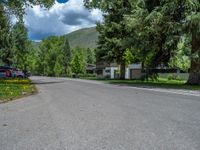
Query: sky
[[62, 18]]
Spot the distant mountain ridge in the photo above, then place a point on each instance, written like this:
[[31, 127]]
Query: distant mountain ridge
[[84, 38]]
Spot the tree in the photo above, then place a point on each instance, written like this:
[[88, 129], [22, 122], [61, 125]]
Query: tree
[[192, 23], [67, 56], [181, 58], [9, 8], [90, 56], [128, 57], [6, 42], [78, 64], [17, 7], [51, 56], [21, 45], [112, 30], [58, 68], [160, 25]]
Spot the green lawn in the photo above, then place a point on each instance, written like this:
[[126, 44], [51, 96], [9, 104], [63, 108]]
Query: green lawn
[[161, 83], [12, 89]]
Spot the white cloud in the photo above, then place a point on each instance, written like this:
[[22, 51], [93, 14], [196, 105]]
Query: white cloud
[[60, 19]]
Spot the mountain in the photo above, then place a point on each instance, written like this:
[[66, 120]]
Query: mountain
[[35, 44], [85, 38]]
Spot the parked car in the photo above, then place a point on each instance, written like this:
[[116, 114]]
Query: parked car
[[28, 74], [6, 73], [18, 73]]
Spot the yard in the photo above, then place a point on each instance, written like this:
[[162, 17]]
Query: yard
[[12, 89], [160, 83]]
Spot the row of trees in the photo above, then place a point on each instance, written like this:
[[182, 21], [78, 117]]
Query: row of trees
[[15, 48], [152, 30], [54, 57]]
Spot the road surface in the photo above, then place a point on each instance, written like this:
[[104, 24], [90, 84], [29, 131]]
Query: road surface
[[88, 115]]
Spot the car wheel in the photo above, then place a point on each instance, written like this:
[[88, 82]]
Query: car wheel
[[20, 77]]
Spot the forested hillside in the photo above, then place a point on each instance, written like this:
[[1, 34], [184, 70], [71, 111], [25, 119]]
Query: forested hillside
[[85, 38]]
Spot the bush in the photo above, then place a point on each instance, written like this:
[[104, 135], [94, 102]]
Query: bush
[[87, 75], [173, 77]]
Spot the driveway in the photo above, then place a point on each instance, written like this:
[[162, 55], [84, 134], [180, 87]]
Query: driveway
[[89, 115]]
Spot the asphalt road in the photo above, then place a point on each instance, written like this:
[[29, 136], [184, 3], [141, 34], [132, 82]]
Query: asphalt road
[[88, 115]]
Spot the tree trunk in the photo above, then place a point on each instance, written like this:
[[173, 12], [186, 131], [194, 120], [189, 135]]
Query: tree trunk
[[122, 70], [143, 73], [194, 74]]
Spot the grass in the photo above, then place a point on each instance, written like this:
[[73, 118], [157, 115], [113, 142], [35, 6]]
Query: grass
[[13, 88], [160, 83]]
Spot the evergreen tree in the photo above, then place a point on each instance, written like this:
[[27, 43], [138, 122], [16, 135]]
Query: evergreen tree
[[78, 63], [21, 45], [6, 42], [157, 27], [8, 8], [112, 31], [90, 56], [67, 56], [17, 7]]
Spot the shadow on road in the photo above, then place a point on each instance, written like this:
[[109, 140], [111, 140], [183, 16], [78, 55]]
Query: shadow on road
[[46, 82]]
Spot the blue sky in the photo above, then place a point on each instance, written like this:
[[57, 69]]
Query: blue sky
[[62, 1], [61, 19]]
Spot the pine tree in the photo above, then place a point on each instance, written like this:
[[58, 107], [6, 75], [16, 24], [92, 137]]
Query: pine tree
[[21, 45], [112, 31], [6, 53], [67, 56]]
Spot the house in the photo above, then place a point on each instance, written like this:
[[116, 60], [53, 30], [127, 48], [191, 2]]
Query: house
[[91, 69], [134, 71], [105, 70]]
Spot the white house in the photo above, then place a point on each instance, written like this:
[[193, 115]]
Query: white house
[[133, 71]]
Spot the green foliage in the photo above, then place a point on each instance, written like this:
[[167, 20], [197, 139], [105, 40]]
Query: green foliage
[[112, 33], [152, 30], [17, 7], [87, 76], [128, 57], [10, 89], [90, 56], [21, 47], [66, 56], [52, 57], [78, 64], [6, 42], [173, 77], [14, 45], [181, 57]]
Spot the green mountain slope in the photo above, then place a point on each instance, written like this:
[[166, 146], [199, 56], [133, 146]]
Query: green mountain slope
[[35, 44], [85, 38]]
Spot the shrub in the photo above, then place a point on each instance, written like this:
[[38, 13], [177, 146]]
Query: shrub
[[173, 77], [86, 75]]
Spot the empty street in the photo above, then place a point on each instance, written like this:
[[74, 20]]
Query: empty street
[[73, 114]]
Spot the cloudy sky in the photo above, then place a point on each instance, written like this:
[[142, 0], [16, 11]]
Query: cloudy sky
[[62, 18]]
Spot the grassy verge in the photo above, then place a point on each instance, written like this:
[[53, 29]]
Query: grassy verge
[[12, 89], [160, 83]]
